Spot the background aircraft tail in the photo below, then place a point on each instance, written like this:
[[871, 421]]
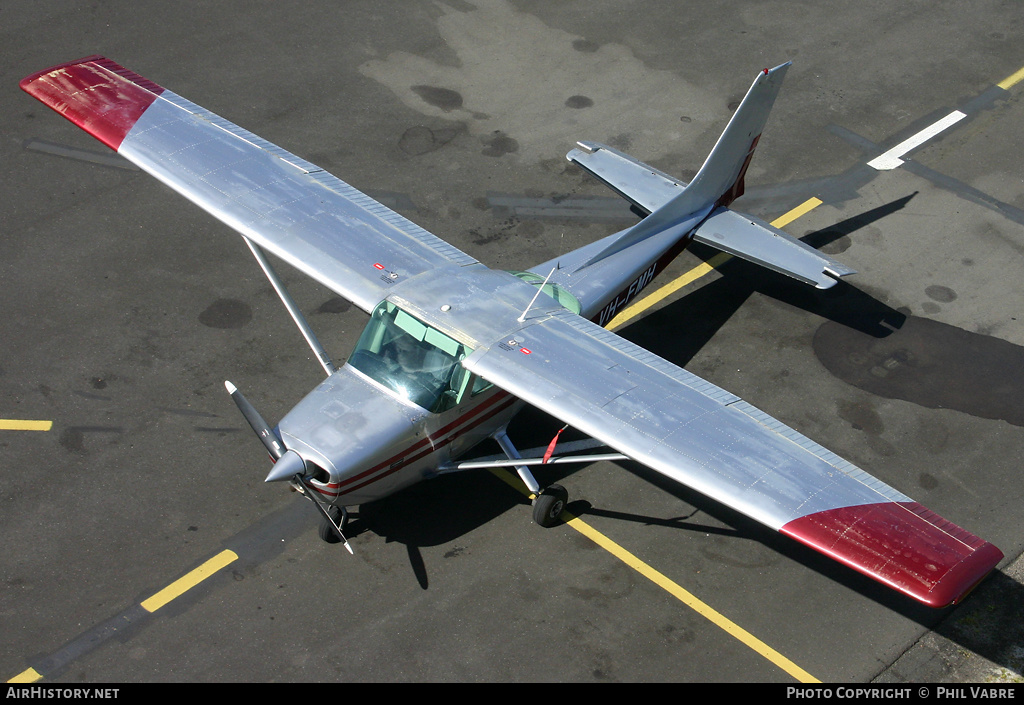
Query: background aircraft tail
[[718, 183]]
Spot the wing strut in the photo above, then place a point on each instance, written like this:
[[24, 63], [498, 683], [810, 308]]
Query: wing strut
[[536, 456], [526, 462], [513, 454], [293, 310]]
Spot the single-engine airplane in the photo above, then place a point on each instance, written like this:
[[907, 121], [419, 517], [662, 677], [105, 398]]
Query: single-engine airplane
[[453, 348]]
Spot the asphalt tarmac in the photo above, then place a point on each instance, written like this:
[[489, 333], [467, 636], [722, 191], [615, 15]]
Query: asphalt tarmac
[[126, 308]]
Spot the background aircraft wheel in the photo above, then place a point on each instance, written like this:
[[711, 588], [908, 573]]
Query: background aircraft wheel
[[547, 508], [327, 533]]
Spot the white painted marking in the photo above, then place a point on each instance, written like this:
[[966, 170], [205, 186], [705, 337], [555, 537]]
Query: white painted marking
[[891, 159]]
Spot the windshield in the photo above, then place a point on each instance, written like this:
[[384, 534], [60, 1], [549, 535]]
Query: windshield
[[419, 363]]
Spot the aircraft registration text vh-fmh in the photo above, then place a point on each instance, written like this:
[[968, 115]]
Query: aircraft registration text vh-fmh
[[453, 349]]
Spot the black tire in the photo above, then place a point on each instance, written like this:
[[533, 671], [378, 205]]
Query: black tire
[[327, 532], [547, 508]]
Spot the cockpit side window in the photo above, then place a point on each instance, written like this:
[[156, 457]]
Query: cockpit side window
[[417, 362], [480, 385]]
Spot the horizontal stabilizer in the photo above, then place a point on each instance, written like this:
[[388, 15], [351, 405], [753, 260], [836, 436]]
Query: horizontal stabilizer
[[759, 242], [644, 186], [736, 233]]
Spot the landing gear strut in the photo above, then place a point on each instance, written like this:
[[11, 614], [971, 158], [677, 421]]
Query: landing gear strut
[[549, 502]]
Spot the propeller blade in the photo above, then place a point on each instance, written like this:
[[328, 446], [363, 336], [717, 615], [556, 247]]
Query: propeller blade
[[288, 464], [273, 444], [323, 512]]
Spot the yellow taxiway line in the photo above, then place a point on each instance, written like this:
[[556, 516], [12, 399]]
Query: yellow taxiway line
[[176, 589], [673, 588], [690, 600], [24, 425], [29, 675], [189, 581], [1011, 80]]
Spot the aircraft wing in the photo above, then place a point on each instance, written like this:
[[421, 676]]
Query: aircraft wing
[[293, 209], [706, 438]]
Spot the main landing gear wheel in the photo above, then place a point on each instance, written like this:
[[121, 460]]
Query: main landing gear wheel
[[340, 517], [547, 508]]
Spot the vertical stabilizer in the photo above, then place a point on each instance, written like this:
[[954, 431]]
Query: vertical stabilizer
[[720, 180]]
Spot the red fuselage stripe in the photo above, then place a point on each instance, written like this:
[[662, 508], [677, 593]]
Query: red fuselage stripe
[[396, 462], [428, 451]]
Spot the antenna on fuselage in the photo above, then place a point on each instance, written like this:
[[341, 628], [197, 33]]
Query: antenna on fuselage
[[539, 289]]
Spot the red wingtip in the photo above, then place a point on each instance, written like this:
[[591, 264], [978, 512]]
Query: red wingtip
[[100, 96], [903, 545]]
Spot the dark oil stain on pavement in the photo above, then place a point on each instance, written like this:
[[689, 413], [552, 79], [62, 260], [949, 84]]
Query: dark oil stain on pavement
[[578, 101], [226, 313], [498, 144], [444, 98], [933, 364]]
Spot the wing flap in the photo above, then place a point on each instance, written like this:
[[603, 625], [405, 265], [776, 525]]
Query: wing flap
[[707, 438], [314, 221]]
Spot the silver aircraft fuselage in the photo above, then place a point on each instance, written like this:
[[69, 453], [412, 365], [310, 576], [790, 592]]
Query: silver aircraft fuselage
[[364, 441]]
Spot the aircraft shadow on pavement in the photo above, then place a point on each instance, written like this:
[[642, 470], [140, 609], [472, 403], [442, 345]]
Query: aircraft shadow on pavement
[[701, 313]]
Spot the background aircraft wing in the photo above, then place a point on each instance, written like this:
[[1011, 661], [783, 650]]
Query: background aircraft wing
[[293, 209], [706, 438]]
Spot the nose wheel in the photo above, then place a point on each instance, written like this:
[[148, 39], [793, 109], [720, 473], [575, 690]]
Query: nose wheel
[[332, 524], [548, 506]]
